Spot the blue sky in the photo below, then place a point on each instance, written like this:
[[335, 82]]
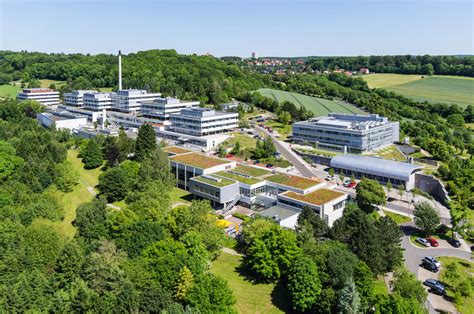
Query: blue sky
[[225, 27]]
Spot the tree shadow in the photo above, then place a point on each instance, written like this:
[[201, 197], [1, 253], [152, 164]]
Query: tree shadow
[[188, 198], [409, 230], [281, 298]]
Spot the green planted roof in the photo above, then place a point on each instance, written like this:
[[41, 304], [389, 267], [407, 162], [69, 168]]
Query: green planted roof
[[251, 171], [244, 179], [219, 182]]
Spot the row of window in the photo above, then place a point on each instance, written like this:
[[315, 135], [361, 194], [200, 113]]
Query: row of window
[[207, 191], [253, 192]]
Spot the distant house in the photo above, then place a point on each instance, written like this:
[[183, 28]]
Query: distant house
[[348, 73], [364, 71]]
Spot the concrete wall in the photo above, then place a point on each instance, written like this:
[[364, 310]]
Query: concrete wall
[[433, 186], [290, 222], [317, 159]]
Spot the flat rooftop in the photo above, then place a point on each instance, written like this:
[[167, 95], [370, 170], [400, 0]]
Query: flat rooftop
[[347, 121], [251, 171], [214, 180], [176, 150], [375, 166], [231, 174], [318, 197], [198, 161], [278, 213], [293, 181]]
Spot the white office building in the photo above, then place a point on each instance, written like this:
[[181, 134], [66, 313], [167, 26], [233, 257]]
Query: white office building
[[162, 108], [130, 100], [348, 132], [45, 96], [97, 101], [76, 97], [203, 121], [61, 120]]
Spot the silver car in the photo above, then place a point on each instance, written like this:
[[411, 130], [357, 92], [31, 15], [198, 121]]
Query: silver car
[[423, 242], [432, 260]]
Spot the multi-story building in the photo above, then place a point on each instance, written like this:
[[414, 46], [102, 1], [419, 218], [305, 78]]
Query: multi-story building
[[130, 100], [76, 97], [278, 195], [203, 121], [45, 96], [162, 108], [97, 101], [353, 133]]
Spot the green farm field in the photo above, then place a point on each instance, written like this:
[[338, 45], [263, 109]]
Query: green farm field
[[436, 88], [319, 106]]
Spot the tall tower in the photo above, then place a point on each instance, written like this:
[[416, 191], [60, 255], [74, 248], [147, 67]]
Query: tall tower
[[254, 55], [120, 70]]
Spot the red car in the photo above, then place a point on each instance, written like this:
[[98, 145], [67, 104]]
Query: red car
[[352, 185], [432, 242]]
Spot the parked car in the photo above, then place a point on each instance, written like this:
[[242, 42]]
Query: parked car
[[229, 156], [433, 242], [329, 178], [429, 266], [436, 286], [423, 242], [432, 260], [256, 162], [352, 185], [454, 242], [269, 165]]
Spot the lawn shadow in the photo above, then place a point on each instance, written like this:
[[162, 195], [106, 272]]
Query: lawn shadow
[[188, 197], [280, 298]]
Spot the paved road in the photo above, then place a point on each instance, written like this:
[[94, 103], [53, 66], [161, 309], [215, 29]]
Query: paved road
[[284, 149], [414, 255]]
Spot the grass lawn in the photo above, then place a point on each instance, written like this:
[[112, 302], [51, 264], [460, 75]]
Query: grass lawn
[[283, 130], [73, 199], [390, 152], [380, 288], [318, 106], [105, 89], [9, 91], [318, 151], [399, 219], [436, 88], [470, 126], [466, 269], [251, 298], [180, 196], [246, 141], [90, 177], [47, 83]]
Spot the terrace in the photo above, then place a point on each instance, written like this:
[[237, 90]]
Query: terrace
[[318, 197], [251, 171], [293, 181], [214, 181], [241, 178], [176, 150], [198, 161]]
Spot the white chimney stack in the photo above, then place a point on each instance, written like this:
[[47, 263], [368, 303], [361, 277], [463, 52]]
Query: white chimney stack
[[120, 70]]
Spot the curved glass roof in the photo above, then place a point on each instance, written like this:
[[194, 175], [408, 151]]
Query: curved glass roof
[[375, 166]]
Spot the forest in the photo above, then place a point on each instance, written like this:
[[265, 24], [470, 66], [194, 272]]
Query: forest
[[437, 128], [151, 257], [405, 64]]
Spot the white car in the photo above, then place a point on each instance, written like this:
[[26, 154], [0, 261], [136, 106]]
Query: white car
[[329, 177], [432, 260], [423, 242]]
